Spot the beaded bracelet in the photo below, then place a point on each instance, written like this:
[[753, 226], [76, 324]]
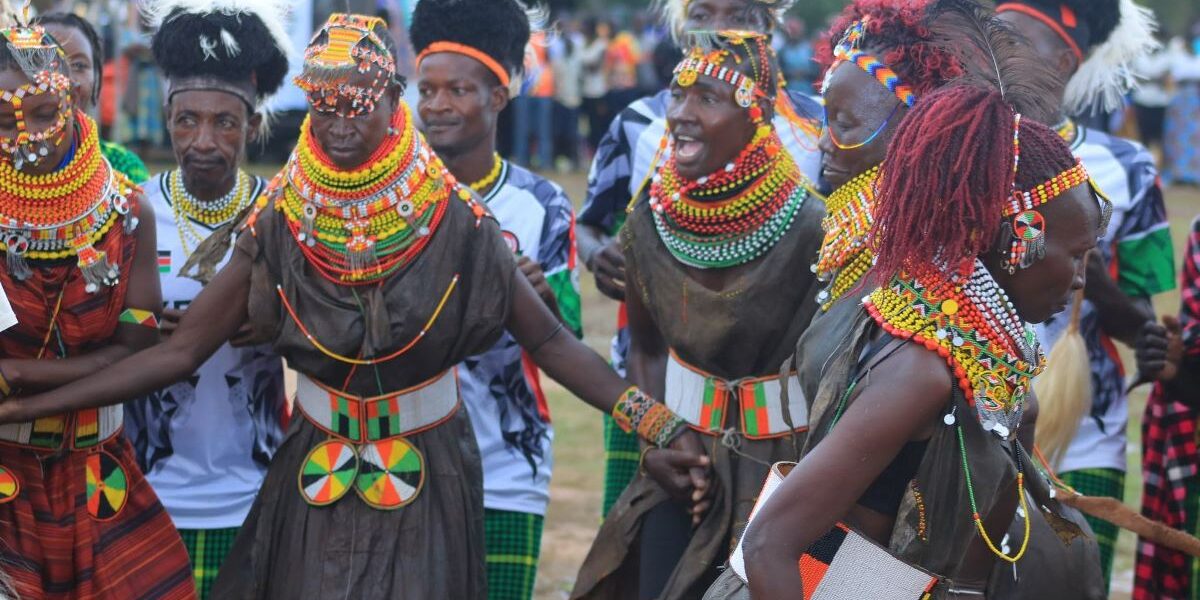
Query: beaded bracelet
[[653, 421]]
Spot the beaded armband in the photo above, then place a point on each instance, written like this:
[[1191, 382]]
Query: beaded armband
[[653, 421], [137, 316]]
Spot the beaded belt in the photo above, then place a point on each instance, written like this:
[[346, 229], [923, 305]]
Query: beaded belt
[[702, 400], [366, 449], [81, 431]]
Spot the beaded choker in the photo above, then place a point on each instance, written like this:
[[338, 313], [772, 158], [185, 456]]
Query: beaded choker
[[189, 210], [733, 216], [64, 213], [845, 257], [974, 327], [358, 227]]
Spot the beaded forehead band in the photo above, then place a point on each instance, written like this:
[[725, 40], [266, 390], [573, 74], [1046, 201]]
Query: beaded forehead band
[[346, 45], [711, 64], [465, 50], [849, 50], [1024, 223], [44, 63]]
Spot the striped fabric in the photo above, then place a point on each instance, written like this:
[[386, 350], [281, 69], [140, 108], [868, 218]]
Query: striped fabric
[[513, 541], [1102, 483], [703, 401], [207, 548]]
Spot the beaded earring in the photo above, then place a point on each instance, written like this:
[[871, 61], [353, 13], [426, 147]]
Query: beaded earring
[[1024, 225]]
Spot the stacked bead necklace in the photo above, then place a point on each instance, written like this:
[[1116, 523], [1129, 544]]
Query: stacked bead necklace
[[64, 213], [993, 353], [357, 227], [845, 257], [188, 210], [733, 216]]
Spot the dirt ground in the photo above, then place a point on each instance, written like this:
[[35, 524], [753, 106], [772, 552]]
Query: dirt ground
[[575, 489]]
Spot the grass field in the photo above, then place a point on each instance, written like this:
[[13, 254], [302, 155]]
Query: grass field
[[574, 513]]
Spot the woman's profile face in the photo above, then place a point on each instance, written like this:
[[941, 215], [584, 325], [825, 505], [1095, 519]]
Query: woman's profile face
[[1072, 228]]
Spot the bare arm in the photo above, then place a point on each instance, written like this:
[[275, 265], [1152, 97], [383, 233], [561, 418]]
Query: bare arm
[[901, 400], [559, 354], [143, 292], [1121, 317], [216, 314]]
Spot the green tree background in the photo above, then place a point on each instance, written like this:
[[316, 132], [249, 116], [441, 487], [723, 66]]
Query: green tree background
[[1176, 16]]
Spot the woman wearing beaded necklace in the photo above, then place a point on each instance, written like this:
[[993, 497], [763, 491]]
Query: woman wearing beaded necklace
[[85, 55], [717, 256], [77, 519], [936, 373], [237, 396], [373, 272]]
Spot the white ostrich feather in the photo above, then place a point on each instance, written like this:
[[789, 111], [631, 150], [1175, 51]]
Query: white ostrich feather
[[1109, 72]]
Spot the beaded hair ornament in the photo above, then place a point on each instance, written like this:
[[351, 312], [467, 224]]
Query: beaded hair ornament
[[1024, 224], [346, 45], [710, 63], [44, 63]]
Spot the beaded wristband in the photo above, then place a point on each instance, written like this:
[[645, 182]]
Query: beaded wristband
[[653, 421]]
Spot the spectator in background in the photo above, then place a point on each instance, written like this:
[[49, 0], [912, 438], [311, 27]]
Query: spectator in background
[[596, 35], [1181, 150], [566, 57], [621, 61], [1151, 98], [796, 57], [533, 110]]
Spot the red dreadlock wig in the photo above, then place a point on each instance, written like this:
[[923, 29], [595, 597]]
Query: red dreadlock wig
[[898, 32], [950, 173]]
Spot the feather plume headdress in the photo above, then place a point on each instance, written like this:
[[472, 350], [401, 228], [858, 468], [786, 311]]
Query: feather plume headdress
[[1110, 70]]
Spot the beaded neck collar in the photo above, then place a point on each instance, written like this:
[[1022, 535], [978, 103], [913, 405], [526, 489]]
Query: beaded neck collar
[[733, 216], [358, 227], [973, 326], [845, 257], [65, 213]]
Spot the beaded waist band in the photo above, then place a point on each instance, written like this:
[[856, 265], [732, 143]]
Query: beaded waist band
[[357, 419], [702, 400], [79, 430], [366, 450]]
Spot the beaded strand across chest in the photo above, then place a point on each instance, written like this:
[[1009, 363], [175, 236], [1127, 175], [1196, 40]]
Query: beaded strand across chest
[[733, 216]]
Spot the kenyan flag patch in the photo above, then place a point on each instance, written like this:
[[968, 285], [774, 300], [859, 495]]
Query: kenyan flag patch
[[164, 261]]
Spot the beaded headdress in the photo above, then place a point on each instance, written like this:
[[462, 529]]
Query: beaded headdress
[[346, 45], [849, 49], [1024, 224], [44, 63], [709, 54]]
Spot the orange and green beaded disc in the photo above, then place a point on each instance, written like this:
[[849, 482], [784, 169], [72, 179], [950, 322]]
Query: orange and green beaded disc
[[328, 472], [10, 486], [392, 474], [107, 486]]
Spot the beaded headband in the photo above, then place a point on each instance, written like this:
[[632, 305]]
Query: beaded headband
[[465, 50], [710, 64], [849, 50], [1027, 226], [345, 45], [44, 63]]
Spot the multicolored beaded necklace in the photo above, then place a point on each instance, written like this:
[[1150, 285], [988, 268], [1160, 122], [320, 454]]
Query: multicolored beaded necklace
[[845, 257], [188, 210], [65, 213], [733, 216], [358, 227], [975, 328], [993, 353]]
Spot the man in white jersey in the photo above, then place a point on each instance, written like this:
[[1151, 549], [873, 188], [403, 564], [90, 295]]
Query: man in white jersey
[[469, 52], [1094, 45], [205, 444]]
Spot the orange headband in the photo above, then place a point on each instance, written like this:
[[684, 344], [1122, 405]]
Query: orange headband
[[1047, 20], [465, 50]]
